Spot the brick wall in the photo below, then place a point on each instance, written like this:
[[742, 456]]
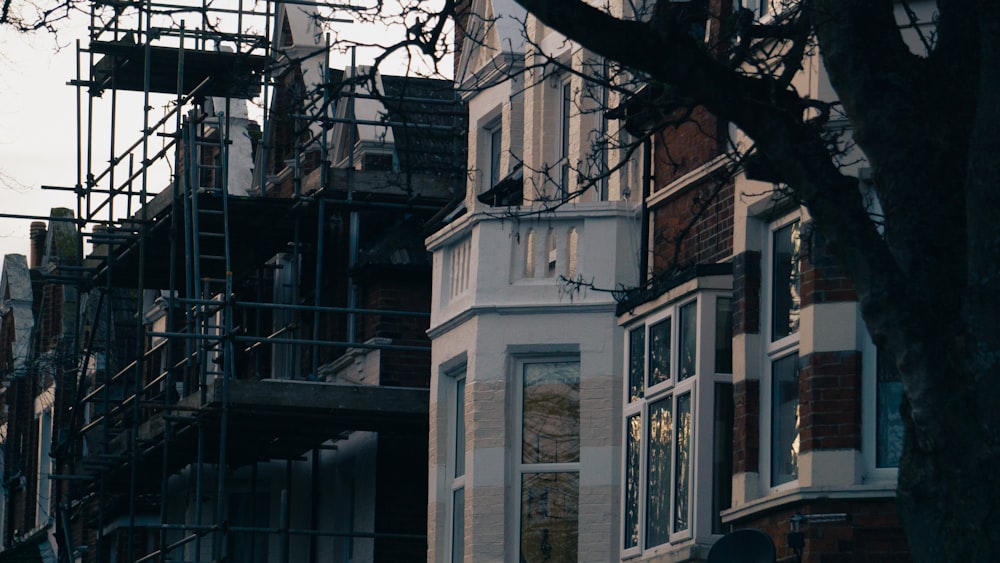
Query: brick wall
[[823, 280], [746, 426], [694, 227], [396, 293], [407, 368], [871, 533], [51, 314], [830, 401], [746, 293], [682, 148]]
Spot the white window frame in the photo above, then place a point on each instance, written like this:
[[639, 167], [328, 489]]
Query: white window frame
[[456, 380], [494, 133], [521, 468], [565, 149], [869, 368], [773, 350], [490, 123], [700, 387], [869, 418]]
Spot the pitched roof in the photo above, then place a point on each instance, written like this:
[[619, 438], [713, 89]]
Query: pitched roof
[[429, 124], [400, 246]]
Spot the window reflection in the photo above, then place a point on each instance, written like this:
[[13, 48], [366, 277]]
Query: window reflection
[[549, 517], [551, 413], [689, 341], [658, 472], [633, 429], [460, 428], [682, 483], [785, 420], [659, 352], [785, 299], [636, 357], [889, 421]]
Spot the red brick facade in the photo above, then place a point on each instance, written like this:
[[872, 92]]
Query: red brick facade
[[830, 401], [684, 147], [401, 368], [694, 227], [870, 534], [746, 293], [823, 280]]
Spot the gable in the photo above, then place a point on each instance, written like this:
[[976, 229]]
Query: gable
[[495, 28]]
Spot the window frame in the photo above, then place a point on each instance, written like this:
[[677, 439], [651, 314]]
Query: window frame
[[774, 350], [700, 388], [519, 467], [870, 418], [494, 152], [457, 378], [565, 124]]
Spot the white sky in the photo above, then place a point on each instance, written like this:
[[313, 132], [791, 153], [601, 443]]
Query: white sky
[[38, 122], [38, 131]]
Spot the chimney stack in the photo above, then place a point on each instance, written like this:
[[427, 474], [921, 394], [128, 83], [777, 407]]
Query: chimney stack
[[38, 235]]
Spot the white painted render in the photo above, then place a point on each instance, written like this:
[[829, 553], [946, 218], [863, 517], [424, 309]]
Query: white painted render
[[499, 295], [501, 314]]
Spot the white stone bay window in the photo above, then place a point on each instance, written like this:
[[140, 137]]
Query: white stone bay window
[[678, 418]]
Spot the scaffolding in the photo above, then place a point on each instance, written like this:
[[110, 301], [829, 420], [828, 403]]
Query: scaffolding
[[223, 315]]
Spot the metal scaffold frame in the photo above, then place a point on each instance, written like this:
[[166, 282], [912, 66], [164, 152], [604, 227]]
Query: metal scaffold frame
[[167, 404]]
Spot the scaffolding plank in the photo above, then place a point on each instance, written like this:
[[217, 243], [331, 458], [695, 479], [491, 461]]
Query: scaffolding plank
[[237, 75]]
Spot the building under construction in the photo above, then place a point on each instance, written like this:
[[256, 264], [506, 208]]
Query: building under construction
[[220, 354]]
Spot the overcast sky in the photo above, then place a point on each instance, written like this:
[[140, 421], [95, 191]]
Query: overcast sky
[[37, 128], [38, 142]]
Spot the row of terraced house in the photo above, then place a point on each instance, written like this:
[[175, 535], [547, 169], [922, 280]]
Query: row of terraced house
[[451, 327]]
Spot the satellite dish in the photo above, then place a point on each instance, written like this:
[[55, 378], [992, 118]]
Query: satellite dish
[[743, 546]]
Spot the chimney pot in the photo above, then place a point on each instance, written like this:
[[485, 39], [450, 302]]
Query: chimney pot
[[37, 234]]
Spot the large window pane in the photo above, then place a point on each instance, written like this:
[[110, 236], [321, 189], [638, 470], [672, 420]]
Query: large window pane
[[633, 428], [658, 474], [723, 335], [636, 355], [889, 421], [722, 454], [564, 140], [659, 352], [682, 490], [785, 282], [496, 147], [458, 526], [551, 413], [688, 341], [785, 420], [549, 516], [460, 428]]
